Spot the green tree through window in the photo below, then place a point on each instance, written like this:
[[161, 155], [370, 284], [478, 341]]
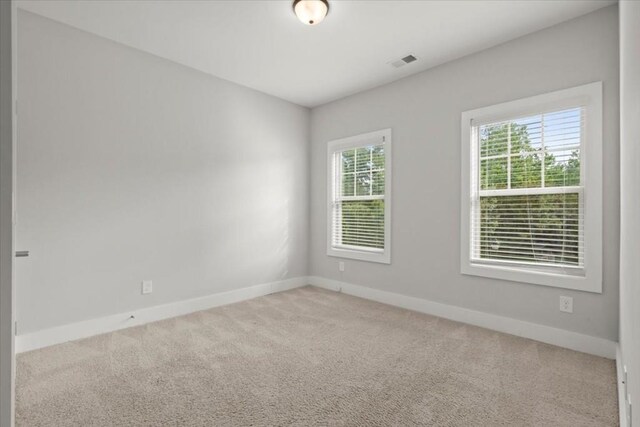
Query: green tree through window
[[362, 186], [533, 153]]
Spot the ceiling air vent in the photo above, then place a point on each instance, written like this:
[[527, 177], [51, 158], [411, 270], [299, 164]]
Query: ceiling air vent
[[404, 61]]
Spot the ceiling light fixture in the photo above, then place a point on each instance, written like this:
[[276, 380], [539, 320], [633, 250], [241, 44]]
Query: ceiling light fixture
[[311, 12]]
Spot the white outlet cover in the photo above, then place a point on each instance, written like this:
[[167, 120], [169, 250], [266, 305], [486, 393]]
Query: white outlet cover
[[147, 287], [341, 266], [566, 304]]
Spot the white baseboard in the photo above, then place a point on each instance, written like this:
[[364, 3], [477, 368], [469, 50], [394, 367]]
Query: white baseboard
[[560, 337], [547, 334], [622, 388], [87, 328]]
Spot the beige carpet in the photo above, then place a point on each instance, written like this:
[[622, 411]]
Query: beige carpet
[[312, 357]]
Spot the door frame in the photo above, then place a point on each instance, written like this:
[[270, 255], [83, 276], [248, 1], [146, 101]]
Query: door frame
[[8, 97]]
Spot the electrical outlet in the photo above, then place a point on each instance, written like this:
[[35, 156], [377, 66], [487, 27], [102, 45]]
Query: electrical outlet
[[147, 287], [341, 266], [566, 304]]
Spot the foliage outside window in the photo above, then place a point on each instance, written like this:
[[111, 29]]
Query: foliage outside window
[[358, 201], [530, 205], [531, 200]]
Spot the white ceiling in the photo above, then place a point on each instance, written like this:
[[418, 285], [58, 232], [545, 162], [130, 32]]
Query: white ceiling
[[262, 45]]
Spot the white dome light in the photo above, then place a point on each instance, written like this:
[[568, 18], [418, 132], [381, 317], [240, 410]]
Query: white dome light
[[311, 12]]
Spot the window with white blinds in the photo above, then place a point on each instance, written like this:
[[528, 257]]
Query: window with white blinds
[[528, 183], [358, 214], [529, 204]]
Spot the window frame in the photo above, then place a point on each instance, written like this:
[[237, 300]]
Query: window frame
[[359, 141], [587, 278]]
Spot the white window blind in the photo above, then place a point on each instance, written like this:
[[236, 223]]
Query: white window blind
[[358, 210], [528, 198]]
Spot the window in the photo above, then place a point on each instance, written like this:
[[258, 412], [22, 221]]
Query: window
[[359, 184], [532, 190]]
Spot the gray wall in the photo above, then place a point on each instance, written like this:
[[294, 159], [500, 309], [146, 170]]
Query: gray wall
[[629, 196], [6, 213], [131, 167], [424, 112]]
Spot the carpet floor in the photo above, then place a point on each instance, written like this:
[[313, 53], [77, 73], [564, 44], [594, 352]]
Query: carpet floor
[[311, 357]]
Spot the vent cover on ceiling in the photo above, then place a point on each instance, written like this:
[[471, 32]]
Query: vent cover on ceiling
[[404, 61]]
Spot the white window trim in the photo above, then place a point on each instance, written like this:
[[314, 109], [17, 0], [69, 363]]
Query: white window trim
[[590, 97], [371, 138]]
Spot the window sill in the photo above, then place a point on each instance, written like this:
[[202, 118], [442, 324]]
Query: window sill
[[532, 276], [382, 257]]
